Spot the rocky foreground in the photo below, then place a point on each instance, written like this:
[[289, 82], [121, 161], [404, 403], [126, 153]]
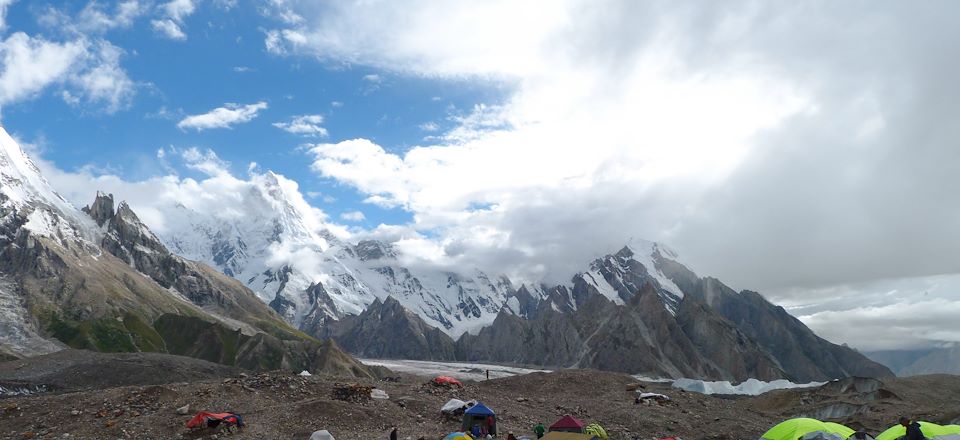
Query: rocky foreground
[[137, 397]]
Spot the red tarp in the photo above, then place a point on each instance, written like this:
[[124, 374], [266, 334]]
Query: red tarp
[[446, 380], [567, 422], [200, 420]]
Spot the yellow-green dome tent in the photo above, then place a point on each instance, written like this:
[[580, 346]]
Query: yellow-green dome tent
[[930, 430], [597, 430], [807, 429]]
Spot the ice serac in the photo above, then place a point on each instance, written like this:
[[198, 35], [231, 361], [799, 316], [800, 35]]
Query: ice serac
[[100, 279]]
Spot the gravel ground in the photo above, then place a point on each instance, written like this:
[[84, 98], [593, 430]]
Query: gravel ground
[[286, 406]]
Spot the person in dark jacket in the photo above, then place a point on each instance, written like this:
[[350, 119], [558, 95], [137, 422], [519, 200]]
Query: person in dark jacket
[[913, 429], [393, 433]]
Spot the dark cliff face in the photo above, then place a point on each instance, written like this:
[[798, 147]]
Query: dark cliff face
[[802, 355], [715, 333], [639, 337], [388, 330]]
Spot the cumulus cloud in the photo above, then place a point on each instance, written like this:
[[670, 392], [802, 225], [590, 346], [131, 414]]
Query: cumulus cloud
[[783, 148], [222, 117], [304, 125], [160, 201], [175, 12], [31, 64], [87, 70]]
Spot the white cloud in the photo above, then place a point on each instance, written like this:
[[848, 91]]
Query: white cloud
[[223, 117], [175, 12], [94, 18], [429, 126], [179, 9], [169, 29], [159, 201], [760, 139], [353, 216], [205, 161], [242, 69], [304, 125], [272, 42], [106, 82], [4, 5], [31, 64], [372, 78], [85, 67]]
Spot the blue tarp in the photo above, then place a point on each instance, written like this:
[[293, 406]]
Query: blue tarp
[[479, 410]]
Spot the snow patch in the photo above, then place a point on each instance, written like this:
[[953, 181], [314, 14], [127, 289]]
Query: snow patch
[[458, 370], [750, 387]]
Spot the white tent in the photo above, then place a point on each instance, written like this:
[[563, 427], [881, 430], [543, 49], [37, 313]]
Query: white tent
[[452, 405], [321, 435]]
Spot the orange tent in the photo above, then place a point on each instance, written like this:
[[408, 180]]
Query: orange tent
[[446, 380]]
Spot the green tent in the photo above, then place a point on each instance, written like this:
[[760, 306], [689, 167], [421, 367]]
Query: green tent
[[930, 430], [597, 430], [807, 429]]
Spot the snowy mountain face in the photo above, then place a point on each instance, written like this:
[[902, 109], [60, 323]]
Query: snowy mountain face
[[618, 277], [268, 241], [25, 193], [100, 279]]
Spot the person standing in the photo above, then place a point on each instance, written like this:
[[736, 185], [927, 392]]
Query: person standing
[[393, 433], [913, 429], [539, 430]]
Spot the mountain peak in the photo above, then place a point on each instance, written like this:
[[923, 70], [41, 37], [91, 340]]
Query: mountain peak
[[102, 208], [650, 248], [368, 250]]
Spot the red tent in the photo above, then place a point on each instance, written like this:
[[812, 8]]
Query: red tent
[[204, 419], [567, 423], [446, 380]]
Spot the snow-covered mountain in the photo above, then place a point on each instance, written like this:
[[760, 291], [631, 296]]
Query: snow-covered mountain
[[99, 279], [270, 241]]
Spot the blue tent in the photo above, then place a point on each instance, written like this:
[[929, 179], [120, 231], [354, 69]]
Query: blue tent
[[480, 410], [482, 417]]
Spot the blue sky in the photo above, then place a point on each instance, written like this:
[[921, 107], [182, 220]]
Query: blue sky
[[224, 60]]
